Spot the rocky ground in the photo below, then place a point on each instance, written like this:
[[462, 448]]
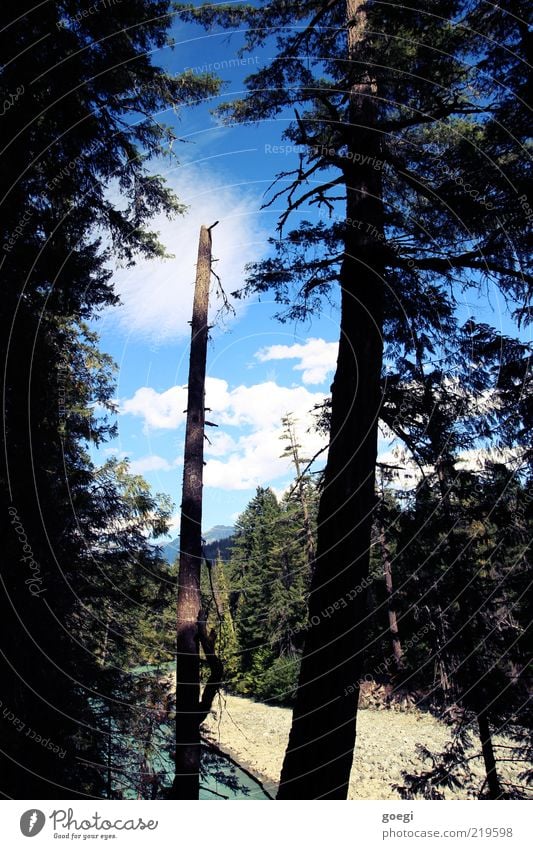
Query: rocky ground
[[256, 734]]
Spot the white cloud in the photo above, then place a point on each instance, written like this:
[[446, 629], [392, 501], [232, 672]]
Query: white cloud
[[253, 458], [174, 525], [403, 471], [281, 491], [156, 295], [150, 463], [406, 473], [245, 448], [253, 465], [158, 409], [260, 405], [475, 459], [220, 444], [257, 461], [317, 358]]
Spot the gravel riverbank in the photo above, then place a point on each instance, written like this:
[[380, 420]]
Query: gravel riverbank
[[256, 734]]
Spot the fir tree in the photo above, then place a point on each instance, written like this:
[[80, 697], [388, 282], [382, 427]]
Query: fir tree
[[382, 100], [81, 126]]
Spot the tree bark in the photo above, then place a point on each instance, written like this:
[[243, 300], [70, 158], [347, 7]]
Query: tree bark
[[319, 755], [493, 781], [188, 712]]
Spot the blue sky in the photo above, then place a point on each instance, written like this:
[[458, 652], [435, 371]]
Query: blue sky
[[258, 370]]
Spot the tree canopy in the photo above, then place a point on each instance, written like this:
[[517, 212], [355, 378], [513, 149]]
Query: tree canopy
[[414, 159], [80, 95]]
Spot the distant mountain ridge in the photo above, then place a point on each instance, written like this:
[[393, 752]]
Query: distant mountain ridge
[[218, 533]]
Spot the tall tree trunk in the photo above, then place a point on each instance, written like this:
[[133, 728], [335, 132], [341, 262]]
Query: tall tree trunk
[[188, 711], [493, 781], [320, 751]]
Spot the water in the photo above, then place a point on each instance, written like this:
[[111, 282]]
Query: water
[[224, 779], [220, 779]]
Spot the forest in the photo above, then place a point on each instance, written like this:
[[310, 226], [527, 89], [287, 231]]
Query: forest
[[386, 578]]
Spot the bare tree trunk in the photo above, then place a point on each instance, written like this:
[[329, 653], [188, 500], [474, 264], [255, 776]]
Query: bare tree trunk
[[188, 712], [320, 751], [493, 781]]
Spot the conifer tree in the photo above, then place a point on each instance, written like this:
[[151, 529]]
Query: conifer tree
[[270, 579], [401, 121], [292, 450], [472, 554], [253, 577], [75, 191]]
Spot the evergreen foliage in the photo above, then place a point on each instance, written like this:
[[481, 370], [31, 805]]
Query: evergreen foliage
[[407, 195], [413, 168], [76, 191], [269, 577]]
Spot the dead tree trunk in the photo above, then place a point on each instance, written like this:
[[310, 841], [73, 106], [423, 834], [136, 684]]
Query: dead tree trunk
[[188, 711], [320, 751]]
